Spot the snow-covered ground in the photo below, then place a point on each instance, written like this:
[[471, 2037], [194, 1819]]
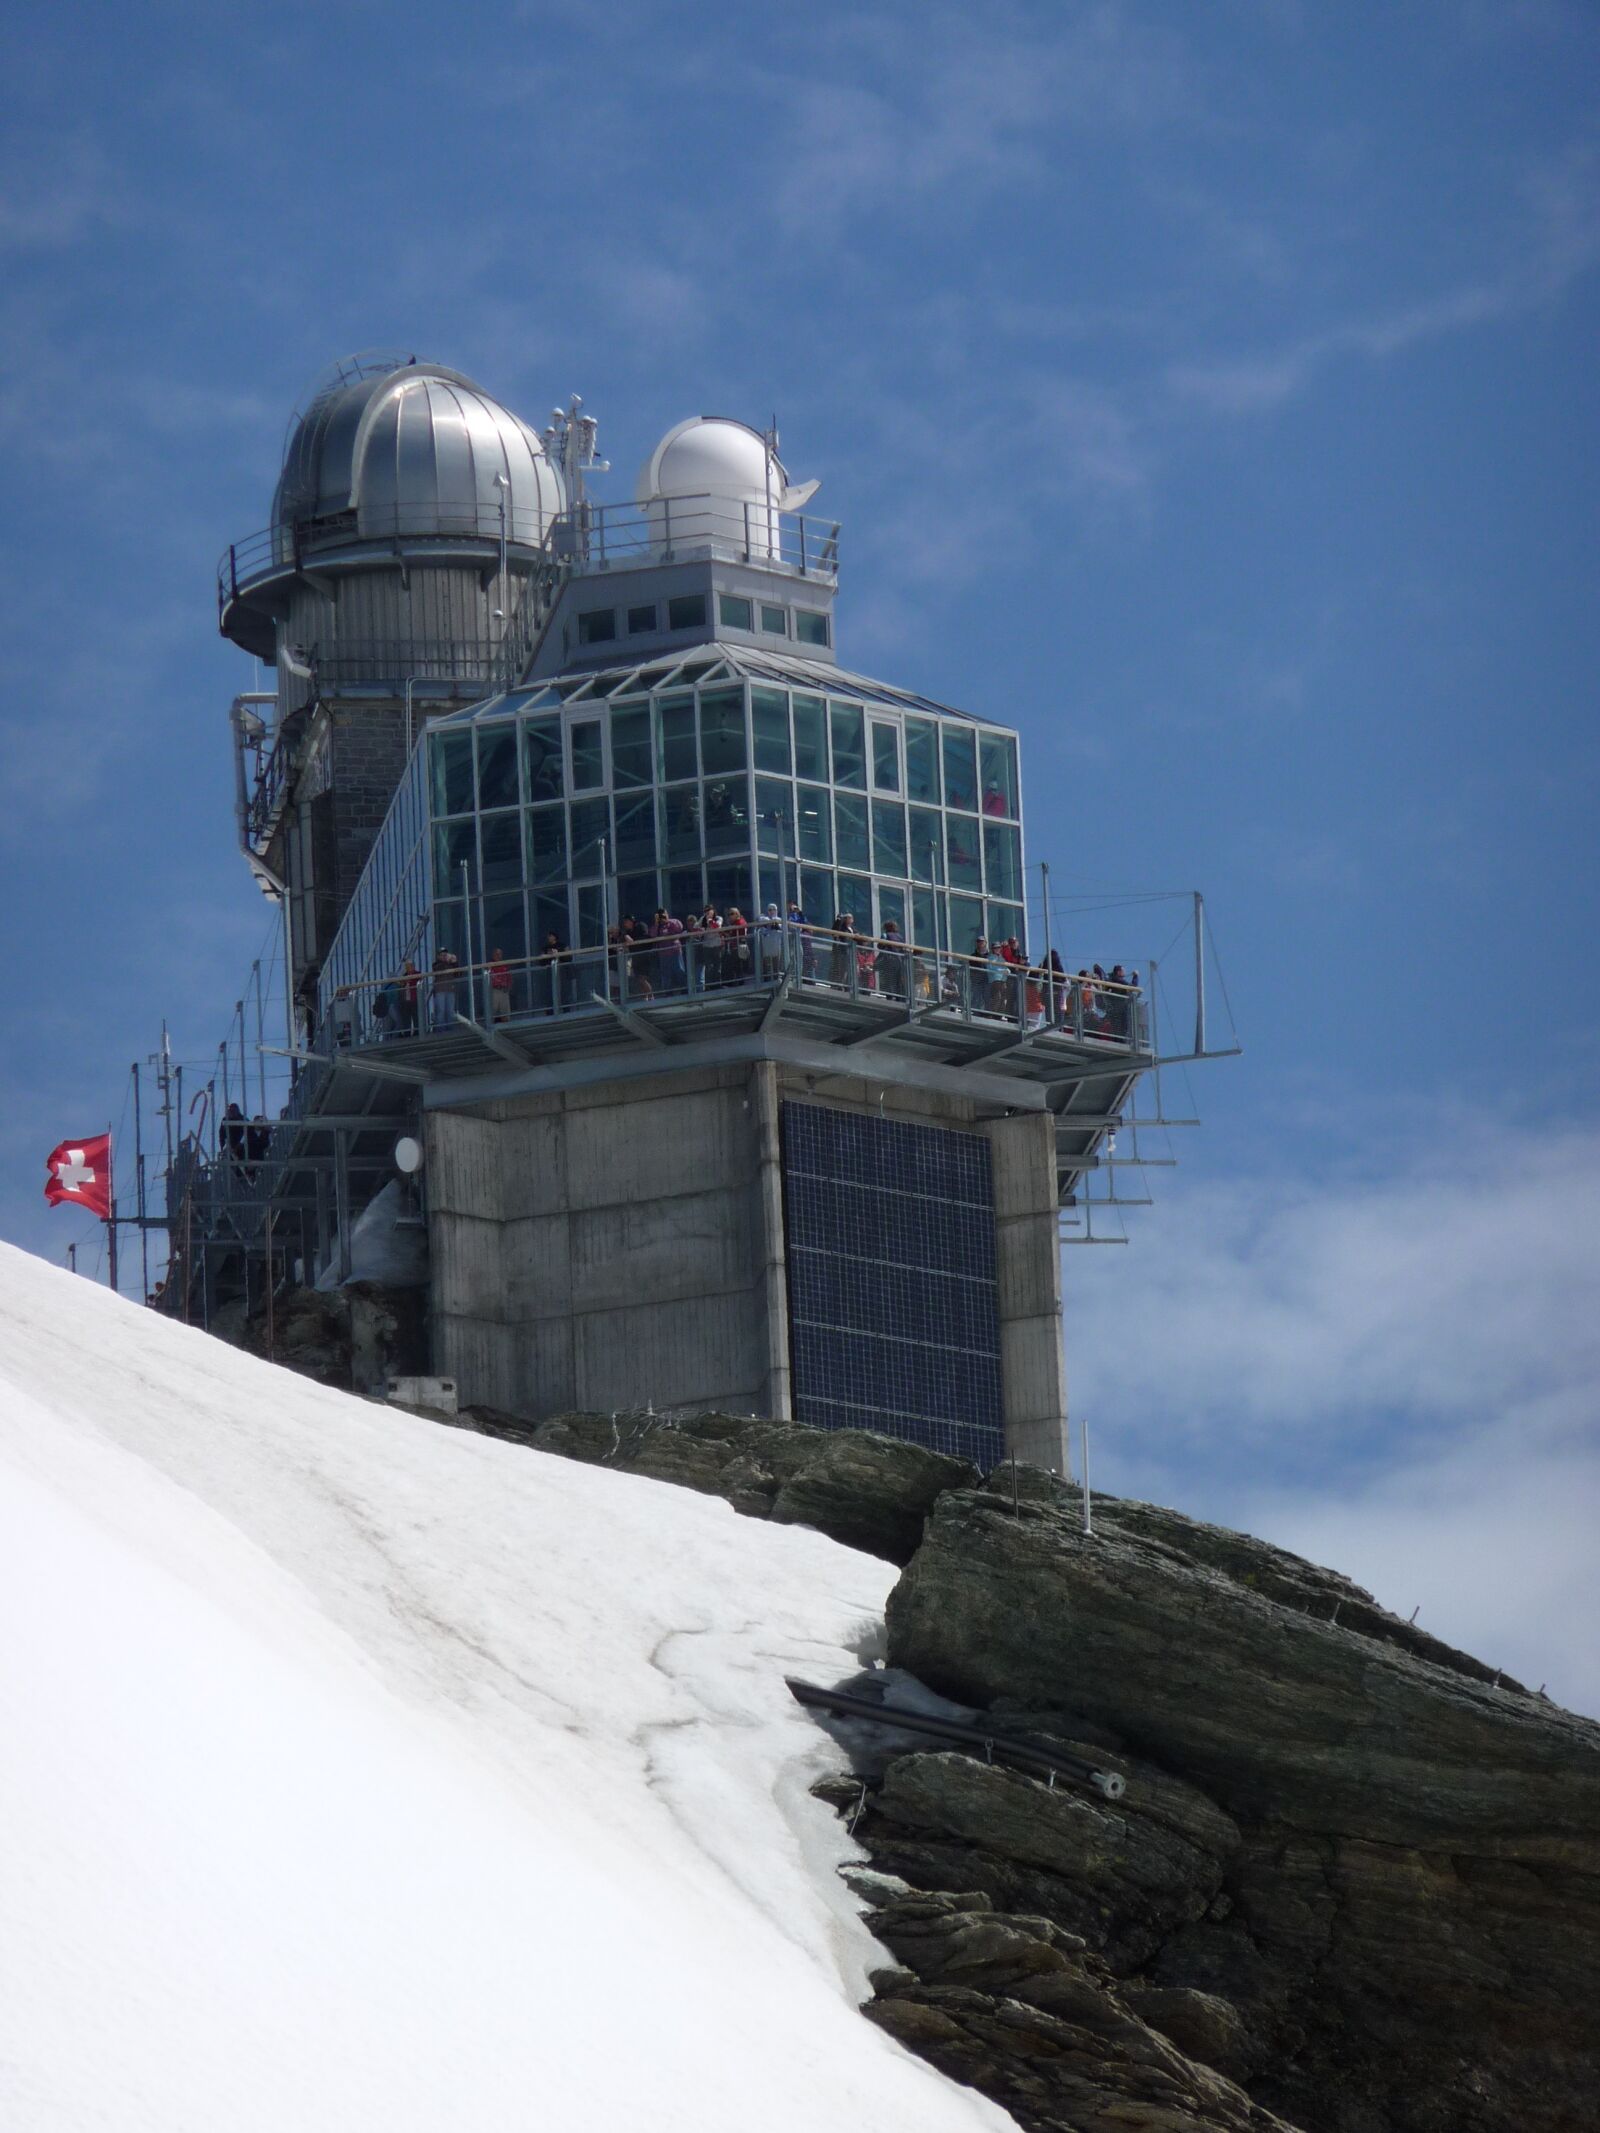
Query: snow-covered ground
[[359, 1772]]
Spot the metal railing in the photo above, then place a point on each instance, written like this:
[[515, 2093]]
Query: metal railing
[[285, 545], [697, 963]]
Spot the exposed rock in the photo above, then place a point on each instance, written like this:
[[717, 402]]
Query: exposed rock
[[870, 1492], [1349, 1870], [355, 1337]]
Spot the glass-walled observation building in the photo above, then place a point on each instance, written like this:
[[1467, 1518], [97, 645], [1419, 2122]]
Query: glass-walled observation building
[[728, 777]]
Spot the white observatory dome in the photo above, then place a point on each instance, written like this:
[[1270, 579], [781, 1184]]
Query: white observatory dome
[[415, 448], [727, 464]]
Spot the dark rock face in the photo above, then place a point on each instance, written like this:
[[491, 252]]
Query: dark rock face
[[873, 1493], [1349, 1872], [355, 1338]]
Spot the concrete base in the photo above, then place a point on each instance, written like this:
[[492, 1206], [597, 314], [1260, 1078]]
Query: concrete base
[[621, 1246]]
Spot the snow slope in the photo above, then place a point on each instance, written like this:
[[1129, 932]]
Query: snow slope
[[358, 1772]]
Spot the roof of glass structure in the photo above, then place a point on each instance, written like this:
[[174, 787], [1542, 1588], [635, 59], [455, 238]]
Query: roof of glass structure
[[703, 663]]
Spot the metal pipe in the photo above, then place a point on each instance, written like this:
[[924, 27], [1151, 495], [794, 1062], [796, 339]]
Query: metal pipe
[[1199, 975], [138, 1164], [1049, 980], [1083, 1434]]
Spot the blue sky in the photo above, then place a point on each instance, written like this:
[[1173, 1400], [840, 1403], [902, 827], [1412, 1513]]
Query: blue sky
[[1210, 392]]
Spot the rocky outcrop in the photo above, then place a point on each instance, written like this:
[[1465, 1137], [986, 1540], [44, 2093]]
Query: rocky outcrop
[[1352, 1874], [873, 1493], [356, 1337]]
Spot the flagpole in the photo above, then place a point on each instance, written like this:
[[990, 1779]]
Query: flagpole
[[111, 1218]]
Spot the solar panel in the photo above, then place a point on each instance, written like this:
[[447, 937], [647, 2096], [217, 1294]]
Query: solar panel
[[893, 1310]]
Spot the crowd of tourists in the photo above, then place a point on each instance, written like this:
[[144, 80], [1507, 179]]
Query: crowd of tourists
[[716, 948]]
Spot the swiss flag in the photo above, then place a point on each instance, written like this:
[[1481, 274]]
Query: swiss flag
[[80, 1175]]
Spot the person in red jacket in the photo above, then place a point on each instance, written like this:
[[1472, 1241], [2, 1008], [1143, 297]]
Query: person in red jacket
[[499, 985]]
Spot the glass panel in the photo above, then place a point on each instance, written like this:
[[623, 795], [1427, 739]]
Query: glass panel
[[1002, 861], [722, 730], [452, 773], [966, 923], [677, 739], [769, 714], [547, 844], [998, 753], [815, 824], [960, 769], [1005, 922], [773, 885], [450, 930], [497, 766], [637, 897], [685, 892], [891, 909], [455, 844], [735, 613], [810, 738], [503, 929], [962, 868], [727, 817], [922, 760], [888, 837], [598, 626], [729, 886], [502, 850], [775, 816], [630, 746], [641, 620], [680, 823], [775, 620], [850, 828], [591, 833], [541, 758], [849, 745], [636, 834], [926, 835], [925, 919], [588, 755], [687, 613], [591, 927], [885, 757], [855, 896], [810, 627], [816, 897], [549, 916]]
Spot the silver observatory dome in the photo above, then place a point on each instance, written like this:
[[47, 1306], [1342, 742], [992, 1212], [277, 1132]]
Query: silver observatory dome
[[406, 447]]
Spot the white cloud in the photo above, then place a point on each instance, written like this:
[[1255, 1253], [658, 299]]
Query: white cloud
[[1396, 1373]]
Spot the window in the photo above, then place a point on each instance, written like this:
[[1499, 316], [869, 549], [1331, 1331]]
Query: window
[[849, 745], [922, 760], [452, 773], [497, 766], [598, 626], [960, 769], [769, 714], [926, 836], [591, 834], [641, 620], [775, 620], [680, 823], [815, 824], [963, 869], [810, 627], [636, 833], [677, 739], [775, 816], [855, 896], [817, 897], [1004, 920], [630, 746], [892, 912], [455, 845], [810, 738], [688, 612], [735, 613], [541, 758], [502, 850], [588, 755], [850, 828], [998, 754], [727, 817], [885, 757], [547, 845], [1002, 859], [722, 745], [966, 923], [888, 838]]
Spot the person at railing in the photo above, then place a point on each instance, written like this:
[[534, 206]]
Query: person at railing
[[442, 1004], [708, 948], [381, 1014], [499, 986], [891, 962], [635, 961], [1057, 988], [771, 931], [344, 1019], [1088, 1003], [667, 933], [1016, 968], [549, 988], [257, 1143], [306, 996], [844, 948], [1033, 999], [234, 1136], [406, 999], [801, 927], [989, 978], [737, 954]]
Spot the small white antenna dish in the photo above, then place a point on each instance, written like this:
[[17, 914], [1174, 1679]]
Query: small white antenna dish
[[408, 1155]]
